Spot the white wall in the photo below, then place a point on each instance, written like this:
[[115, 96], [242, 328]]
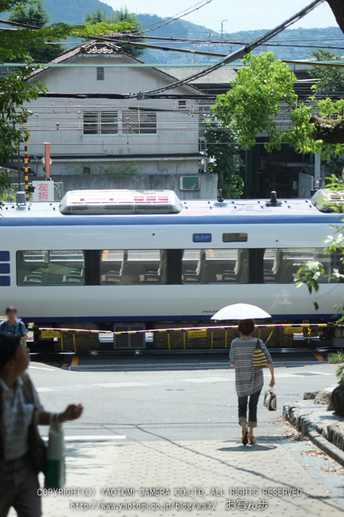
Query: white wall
[[177, 131]]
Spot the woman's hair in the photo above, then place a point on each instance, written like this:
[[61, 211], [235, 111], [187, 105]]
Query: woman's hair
[[246, 327]]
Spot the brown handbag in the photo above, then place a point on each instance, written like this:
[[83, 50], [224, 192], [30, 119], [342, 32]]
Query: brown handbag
[[259, 358]]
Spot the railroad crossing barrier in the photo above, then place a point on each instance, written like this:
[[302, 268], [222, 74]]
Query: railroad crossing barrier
[[169, 338]]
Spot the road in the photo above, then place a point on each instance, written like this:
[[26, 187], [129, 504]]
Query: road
[[175, 402], [178, 425]]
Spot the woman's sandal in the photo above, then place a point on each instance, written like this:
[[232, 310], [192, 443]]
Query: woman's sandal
[[244, 435], [252, 439]]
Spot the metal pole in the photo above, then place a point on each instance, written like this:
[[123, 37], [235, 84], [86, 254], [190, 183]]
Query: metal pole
[[26, 159]]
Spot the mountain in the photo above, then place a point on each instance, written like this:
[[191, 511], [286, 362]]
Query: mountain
[[73, 12]]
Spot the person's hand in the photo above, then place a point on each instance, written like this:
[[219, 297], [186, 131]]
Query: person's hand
[[72, 412], [272, 382]]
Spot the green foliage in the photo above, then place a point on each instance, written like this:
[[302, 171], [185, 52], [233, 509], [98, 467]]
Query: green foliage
[[311, 271], [35, 14], [340, 375], [123, 18], [255, 98], [253, 103], [335, 358], [117, 170], [223, 149], [331, 79], [15, 89]]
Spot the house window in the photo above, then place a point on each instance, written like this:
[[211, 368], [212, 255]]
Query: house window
[[100, 123], [100, 73], [139, 121], [182, 105], [108, 122], [90, 123]]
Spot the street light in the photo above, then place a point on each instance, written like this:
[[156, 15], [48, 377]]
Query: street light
[[222, 28]]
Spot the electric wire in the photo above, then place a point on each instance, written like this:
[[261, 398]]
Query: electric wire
[[238, 54]]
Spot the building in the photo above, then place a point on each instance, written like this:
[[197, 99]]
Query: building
[[95, 129]]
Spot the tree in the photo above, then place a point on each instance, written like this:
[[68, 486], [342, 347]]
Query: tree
[[35, 14], [331, 79], [253, 103], [337, 7], [122, 16], [222, 148], [15, 88]]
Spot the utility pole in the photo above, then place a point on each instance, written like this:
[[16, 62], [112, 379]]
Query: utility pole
[[222, 28]]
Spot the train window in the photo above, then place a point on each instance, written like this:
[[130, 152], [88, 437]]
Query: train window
[[55, 267], [282, 265], [125, 267], [234, 237], [212, 266]]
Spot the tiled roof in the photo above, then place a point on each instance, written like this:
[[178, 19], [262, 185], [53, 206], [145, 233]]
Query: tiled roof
[[90, 48], [223, 75]]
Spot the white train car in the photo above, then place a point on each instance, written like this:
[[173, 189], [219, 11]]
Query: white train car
[[120, 259]]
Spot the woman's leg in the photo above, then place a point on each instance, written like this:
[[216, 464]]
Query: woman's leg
[[252, 411], [243, 418], [242, 402]]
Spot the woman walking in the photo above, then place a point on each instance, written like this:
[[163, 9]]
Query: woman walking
[[248, 380]]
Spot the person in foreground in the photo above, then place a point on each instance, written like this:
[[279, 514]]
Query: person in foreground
[[22, 450], [248, 380]]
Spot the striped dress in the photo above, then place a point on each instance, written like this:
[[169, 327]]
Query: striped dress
[[248, 380]]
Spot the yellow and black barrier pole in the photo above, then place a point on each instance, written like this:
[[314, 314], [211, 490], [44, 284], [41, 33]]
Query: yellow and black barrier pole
[[26, 161]]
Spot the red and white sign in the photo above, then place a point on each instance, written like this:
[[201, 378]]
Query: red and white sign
[[44, 191]]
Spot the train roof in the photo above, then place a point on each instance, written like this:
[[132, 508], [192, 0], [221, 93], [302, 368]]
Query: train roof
[[160, 207]]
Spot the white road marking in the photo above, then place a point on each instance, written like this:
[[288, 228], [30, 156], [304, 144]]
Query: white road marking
[[92, 438], [320, 373], [209, 379], [42, 389], [120, 384], [287, 375], [41, 368]]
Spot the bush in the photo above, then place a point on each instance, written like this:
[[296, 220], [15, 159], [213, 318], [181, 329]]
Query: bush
[[336, 358], [340, 375]]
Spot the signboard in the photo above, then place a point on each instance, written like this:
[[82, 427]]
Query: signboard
[[192, 334], [50, 334], [44, 191], [293, 330]]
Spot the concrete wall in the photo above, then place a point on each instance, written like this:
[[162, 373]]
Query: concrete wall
[[177, 130], [118, 167], [208, 184]]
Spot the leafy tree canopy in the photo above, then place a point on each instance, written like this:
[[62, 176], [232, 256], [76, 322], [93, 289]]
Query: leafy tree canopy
[[224, 152], [15, 89], [123, 16], [331, 79], [265, 86], [35, 14]]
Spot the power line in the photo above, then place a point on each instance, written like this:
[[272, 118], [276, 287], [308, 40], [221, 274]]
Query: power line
[[190, 10], [238, 54]]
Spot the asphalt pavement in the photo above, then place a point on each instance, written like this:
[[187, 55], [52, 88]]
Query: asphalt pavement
[[177, 427]]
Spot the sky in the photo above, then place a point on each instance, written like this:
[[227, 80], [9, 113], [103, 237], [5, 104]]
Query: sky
[[240, 15]]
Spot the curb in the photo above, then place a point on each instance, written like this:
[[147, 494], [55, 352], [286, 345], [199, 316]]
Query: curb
[[303, 424]]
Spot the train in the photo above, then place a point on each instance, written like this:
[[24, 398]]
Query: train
[[125, 260]]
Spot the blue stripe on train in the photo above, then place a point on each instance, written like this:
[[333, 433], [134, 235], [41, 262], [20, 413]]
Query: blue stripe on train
[[149, 220]]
